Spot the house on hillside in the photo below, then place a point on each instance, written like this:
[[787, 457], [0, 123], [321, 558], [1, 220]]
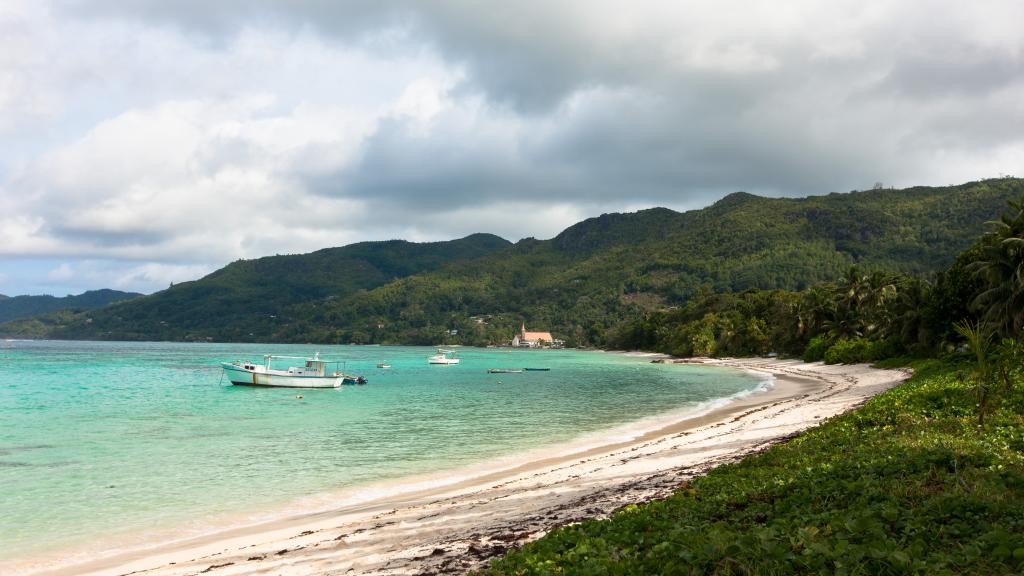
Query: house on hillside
[[524, 339]]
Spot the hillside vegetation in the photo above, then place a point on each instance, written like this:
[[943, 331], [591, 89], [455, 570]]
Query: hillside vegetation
[[12, 308], [616, 267], [245, 299], [589, 279]]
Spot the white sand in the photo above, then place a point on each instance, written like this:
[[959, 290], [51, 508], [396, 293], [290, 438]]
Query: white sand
[[459, 527]]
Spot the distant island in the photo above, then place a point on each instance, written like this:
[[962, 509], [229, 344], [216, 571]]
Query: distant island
[[13, 308]]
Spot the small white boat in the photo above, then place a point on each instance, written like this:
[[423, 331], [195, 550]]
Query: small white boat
[[383, 365], [312, 374], [443, 357]]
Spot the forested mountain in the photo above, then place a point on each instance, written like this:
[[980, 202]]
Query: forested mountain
[[606, 269], [590, 277], [15, 307], [246, 299]]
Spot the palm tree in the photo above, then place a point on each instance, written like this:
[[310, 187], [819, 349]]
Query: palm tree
[[813, 310], [862, 304], [846, 319], [909, 315], [979, 340], [880, 291], [1001, 268]]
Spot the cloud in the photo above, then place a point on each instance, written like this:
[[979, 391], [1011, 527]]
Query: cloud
[[62, 273], [145, 276], [184, 135], [181, 177]]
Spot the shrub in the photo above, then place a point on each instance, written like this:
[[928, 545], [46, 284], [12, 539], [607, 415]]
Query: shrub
[[855, 350], [816, 348], [882, 349], [848, 351]]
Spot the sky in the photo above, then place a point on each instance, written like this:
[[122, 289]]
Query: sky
[[150, 142]]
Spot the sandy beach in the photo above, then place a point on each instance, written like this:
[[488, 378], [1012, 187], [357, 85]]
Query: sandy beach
[[458, 527]]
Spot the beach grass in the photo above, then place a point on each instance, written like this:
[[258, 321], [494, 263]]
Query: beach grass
[[907, 484]]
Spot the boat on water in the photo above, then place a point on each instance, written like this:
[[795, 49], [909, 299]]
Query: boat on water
[[350, 380], [383, 365], [505, 370], [444, 357], [537, 369], [312, 374]]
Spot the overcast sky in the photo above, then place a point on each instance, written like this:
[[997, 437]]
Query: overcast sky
[[150, 141]]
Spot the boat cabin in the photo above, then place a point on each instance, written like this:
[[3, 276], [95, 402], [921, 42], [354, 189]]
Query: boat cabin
[[312, 368]]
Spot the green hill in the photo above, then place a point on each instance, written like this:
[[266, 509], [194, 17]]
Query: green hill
[[12, 308], [606, 269], [588, 278], [249, 299]]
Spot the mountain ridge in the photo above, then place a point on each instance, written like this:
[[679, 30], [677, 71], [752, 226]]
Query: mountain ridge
[[247, 295], [26, 306], [579, 283]]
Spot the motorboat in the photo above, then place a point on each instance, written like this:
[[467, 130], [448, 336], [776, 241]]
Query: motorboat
[[313, 373], [443, 357]]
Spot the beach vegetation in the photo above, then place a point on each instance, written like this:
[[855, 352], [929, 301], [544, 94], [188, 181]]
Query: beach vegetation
[[816, 348], [1000, 266], [907, 484]]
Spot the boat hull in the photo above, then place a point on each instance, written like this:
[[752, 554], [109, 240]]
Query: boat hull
[[239, 376]]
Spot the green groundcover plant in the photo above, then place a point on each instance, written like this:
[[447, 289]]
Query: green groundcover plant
[[907, 484]]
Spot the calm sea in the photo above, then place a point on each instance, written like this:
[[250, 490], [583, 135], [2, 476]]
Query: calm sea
[[105, 444]]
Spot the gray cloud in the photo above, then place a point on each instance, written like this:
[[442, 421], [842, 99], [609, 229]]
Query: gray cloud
[[130, 129]]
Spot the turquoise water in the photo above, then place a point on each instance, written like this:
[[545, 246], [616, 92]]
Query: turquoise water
[[104, 442]]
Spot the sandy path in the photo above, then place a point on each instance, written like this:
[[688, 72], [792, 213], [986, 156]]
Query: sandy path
[[457, 528]]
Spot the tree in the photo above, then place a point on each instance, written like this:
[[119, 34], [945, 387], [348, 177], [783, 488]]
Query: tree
[[979, 340], [1001, 268]]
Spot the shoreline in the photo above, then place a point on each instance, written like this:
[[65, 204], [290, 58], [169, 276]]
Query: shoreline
[[456, 527]]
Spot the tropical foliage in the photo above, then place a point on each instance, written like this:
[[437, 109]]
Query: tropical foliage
[[907, 484], [863, 316], [1000, 266]]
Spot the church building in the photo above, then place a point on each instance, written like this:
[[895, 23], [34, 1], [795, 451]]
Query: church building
[[525, 339]]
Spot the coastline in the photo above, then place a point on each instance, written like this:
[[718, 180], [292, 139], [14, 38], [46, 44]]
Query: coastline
[[456, 527]]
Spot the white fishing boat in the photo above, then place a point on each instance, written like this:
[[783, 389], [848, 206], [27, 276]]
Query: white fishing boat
[[314, 373], [443, 357]]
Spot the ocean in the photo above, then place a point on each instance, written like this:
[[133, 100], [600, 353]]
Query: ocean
[[108, 445]]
